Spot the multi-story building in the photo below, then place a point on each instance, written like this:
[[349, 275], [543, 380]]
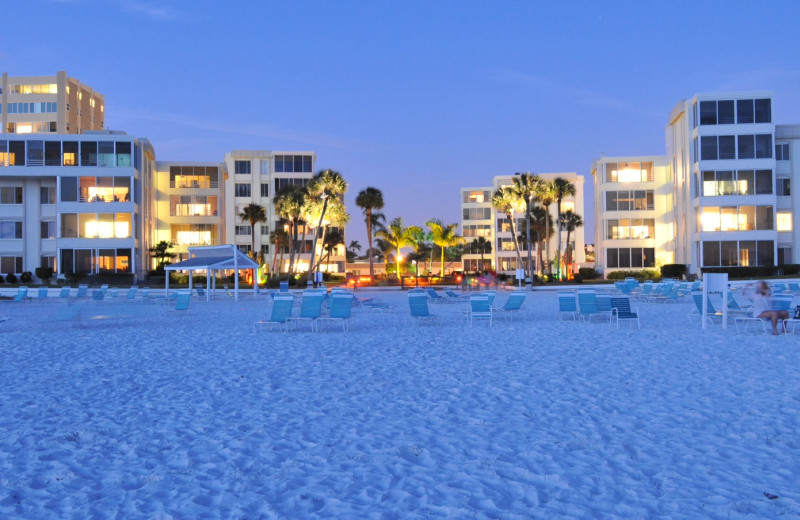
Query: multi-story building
[[74, 203], [726, 187], [636, 194], [57, 104], [189, 205], [480, 219], [256, 176]]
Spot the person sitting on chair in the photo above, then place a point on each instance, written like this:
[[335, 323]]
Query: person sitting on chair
[[761, 295]]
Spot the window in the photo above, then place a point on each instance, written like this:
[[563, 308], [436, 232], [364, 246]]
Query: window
[[725, 112], [264, 230], [630, 200], [708, 112], [728, 253], [242, 167], [10, 229], [708, 148], [264, 189], [282, 183], [745, 113], [264, 167], [88, 153], [243, 230], [763, 146], [735, 218], [782, 152], [193, 206], [763, 110], [476, 196], [194, 234], [636, 228], [477, 213], [70, 153], [11, 195], [783, 187], [747, 146], [69, 189], [47, 195], [784, 221], [10, 264], [630, 257], [477, 230], [741, 182], [242, 190], [293, 163], [48, 229]]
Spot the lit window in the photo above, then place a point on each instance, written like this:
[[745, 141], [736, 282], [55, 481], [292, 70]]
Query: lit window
[[784, 221]]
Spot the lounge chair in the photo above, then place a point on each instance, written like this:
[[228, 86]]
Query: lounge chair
[[64, 292], [587, 306], [621, 310], [98, 294], [201, 294], [340, 310], [418, 306], [131, 293], [22, 294], [794, 287], [567, 305], [310, 308], [280, 315], [182, 301], [113, 292], [42, 294], [83, 290], [513, 305], [479, 309], [435, 297], [712, 314]]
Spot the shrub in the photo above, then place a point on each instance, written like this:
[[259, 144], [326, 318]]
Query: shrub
[[26, 277], [746, 272], [790, 268], [1, 278], [586, 273], [44, 273], [74, 278], [11, 278], [640, 274], [673, 271]]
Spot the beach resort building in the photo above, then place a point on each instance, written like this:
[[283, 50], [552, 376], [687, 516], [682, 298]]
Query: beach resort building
[[720, 196], [57, 104], [75, 202], [479, 219]]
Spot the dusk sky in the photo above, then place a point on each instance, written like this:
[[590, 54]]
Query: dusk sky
[[417, 98]]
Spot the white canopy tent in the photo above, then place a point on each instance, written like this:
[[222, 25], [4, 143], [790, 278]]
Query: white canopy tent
[[211, 259]]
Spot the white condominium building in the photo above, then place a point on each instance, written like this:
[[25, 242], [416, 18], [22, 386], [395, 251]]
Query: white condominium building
[[57, 104], [480, 219], [721, 196]]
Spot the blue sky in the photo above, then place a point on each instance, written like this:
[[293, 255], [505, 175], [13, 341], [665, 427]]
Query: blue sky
[[417, 98]]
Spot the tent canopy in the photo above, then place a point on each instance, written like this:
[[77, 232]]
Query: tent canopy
[[214, 258]]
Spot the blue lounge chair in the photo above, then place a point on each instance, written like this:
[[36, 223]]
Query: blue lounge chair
[[64, 292], [621, 310], [132, 293], [418, 306], [567, 305], [22, 294], [479, 309], [435, 297], [42, 295], [587, 306], [340, 310], [83, 290], [514, 305], [310, 308], [182, 301], [280, 315]]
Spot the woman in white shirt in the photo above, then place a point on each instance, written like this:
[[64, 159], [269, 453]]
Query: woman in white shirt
[[762, 304]]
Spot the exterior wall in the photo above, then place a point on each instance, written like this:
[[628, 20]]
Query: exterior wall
[[504, 260], [787, 172], [625, 234], [189, 205], [61, 104], [76, 218]]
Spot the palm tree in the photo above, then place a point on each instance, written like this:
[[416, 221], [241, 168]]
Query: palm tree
[[280, 240], [444, 237], [545, 195], [399, 236], [352, 250], [483, 246], [506, 201], [562, 188], [571, 221], [332, 239], [369, 199], [254, 214], [540, 221], [289, 206], [525, 187], [327, 185]]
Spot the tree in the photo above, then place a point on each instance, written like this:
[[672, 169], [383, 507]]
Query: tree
[[571, 221], [289, 206], [332, 239], [506, 201], [541, 222], [254, 214], [398, 236], [525, 187], [444, 237], [482, 246], [352, 250], [370, 199], [329, 186], [562, 188], [545, 195], [280, 240], [161, 254]]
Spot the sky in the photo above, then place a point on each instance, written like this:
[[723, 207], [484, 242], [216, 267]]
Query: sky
[[416, 98]]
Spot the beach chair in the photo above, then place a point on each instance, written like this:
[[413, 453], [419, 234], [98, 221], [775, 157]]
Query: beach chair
[[182, 301], [513, 305], [83, 290], [479, 309], [490, 294], [42, 294], [713, 314], [64, 292], [621, 310], [435, 297], [310, 309], [22, 294], [131, 293], [340, 310], [201, 294], [587, 306], [280, 315], [98, 294], [567, 305], [113, 292], [418, 307], [284, 287], [794, 287], [455, 296]]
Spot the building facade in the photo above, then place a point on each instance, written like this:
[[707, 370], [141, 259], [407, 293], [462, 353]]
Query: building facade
[[57, 104], [74, 203], [479, 219], [724, 195]]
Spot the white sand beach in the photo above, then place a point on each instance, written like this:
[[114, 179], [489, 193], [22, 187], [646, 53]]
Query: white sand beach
[[156, 414]]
